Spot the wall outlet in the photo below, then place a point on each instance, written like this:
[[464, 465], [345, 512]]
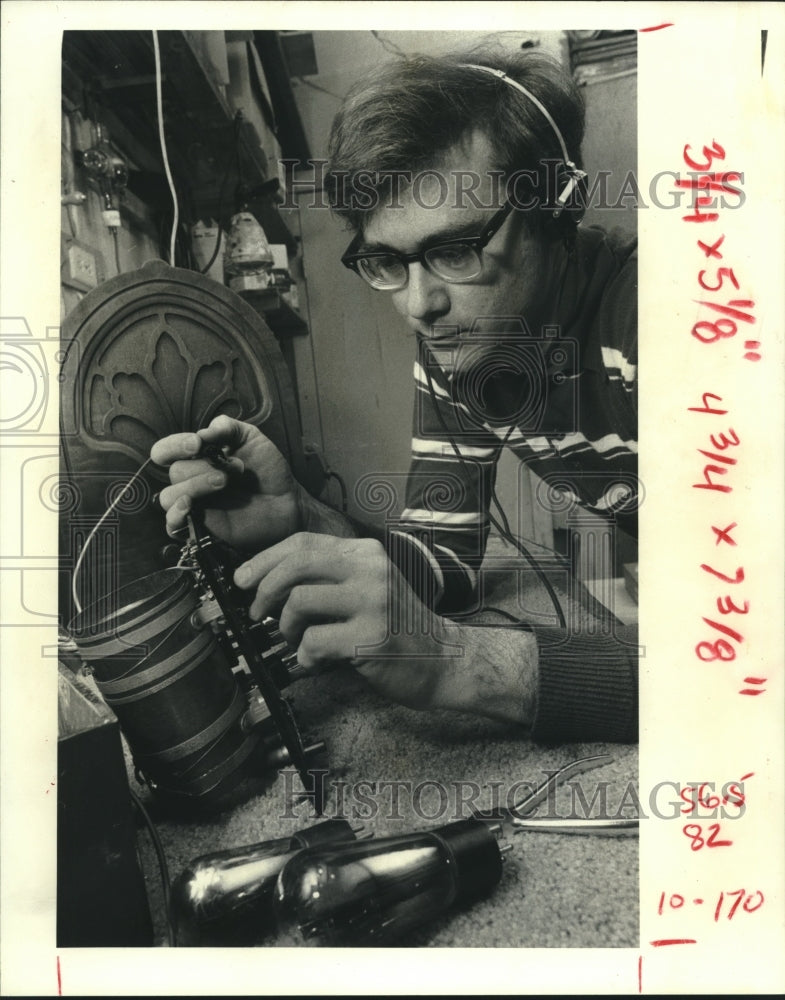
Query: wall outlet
[[81, 269]]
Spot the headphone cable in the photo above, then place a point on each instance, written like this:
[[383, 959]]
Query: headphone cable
[[505, 532]]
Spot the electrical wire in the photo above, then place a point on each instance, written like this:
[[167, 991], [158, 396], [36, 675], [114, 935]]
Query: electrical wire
[[216, 250], [162, 865], [495, 499], [529, 541], [503, 613], [235, 151], [162, 138], [342, 485], [70, 220], [554, 553], [389, 46], [516, 622], [316, 86], [107, 512], [507, 535], [116, 236]]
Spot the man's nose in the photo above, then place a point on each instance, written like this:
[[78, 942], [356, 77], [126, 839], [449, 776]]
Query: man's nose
[[424, 299]]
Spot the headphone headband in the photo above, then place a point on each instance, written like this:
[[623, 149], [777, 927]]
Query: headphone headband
[[576, 175]]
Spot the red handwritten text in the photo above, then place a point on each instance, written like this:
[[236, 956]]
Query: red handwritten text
[[731, 605], [706, 183], [702, 798], [741, 901]]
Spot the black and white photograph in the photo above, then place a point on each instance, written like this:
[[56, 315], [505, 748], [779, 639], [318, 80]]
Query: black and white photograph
[[255, 391], [388, 351]]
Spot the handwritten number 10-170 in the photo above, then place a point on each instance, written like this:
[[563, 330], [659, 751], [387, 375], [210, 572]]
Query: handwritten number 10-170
[[748, 901]]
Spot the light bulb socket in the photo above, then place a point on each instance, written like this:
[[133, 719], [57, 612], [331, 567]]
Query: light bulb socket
[[477, 857]]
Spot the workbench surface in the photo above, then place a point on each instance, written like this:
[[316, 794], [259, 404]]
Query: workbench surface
[[556, 890]]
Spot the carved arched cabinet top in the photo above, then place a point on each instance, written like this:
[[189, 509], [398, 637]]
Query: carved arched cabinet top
[[163, 350]]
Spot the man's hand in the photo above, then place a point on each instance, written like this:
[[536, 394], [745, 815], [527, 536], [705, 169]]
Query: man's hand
[[342, 600], [251, 502]]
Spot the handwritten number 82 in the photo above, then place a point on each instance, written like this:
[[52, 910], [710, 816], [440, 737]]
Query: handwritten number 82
[[695, 832]]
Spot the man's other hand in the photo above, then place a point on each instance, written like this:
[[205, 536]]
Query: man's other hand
[[342, 600]]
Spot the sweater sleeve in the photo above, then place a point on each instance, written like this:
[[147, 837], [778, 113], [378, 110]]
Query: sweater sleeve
[[587, 687]]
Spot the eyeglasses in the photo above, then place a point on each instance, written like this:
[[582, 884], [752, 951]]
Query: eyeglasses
[[453, 260]]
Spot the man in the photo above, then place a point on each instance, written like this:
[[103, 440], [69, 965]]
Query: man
[[457, 179]]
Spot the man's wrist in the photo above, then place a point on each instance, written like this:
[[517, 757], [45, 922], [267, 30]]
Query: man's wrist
[[321, 519], [496, 675]]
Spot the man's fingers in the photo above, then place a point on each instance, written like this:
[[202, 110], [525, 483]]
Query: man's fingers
[[174, 447], [323, 645], [180, 472], [307, 547], [178, 500], [176, 515], [303, 545], [313, 604], [223, 430], [208, 482], [294, 571]]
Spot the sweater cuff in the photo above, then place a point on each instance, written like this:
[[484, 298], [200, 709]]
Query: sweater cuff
[[417, 565], [587, 687]]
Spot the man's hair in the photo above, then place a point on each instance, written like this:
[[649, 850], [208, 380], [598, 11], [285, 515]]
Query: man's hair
[[407, 115]]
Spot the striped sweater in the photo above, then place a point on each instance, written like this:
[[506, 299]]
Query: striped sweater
[[564, 401]]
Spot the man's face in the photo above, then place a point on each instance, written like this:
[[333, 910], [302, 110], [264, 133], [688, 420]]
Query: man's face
[[518, 271]]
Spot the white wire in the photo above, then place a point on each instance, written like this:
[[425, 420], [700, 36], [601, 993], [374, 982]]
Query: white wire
[[104, 516], [160, 105]]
